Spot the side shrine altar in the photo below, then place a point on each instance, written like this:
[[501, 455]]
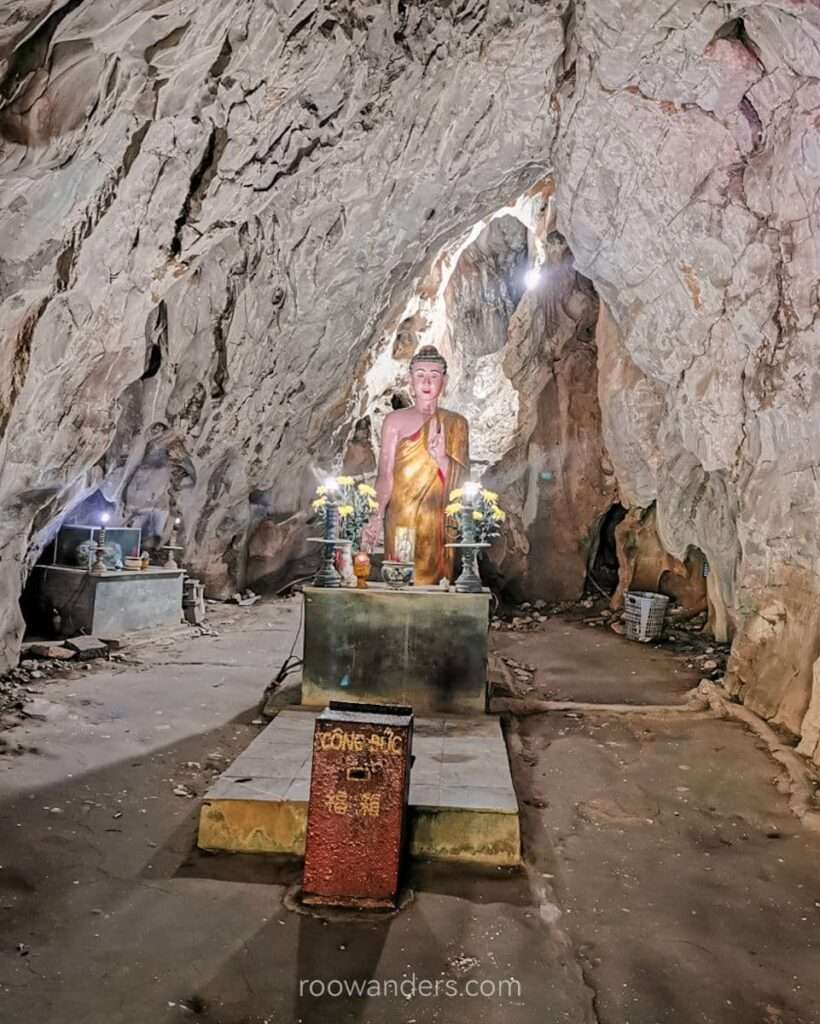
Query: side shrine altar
[[91, 579], [421, 644]]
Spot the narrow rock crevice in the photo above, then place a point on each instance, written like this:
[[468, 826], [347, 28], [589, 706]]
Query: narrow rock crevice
[[169, 42], [156, 340], [217, 142], [222, 60], [736, 29], [221, 326], [203, 172]]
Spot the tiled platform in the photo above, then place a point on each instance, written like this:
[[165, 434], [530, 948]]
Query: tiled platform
[[462, 803]]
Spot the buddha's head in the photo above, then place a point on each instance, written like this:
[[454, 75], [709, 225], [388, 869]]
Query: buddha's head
[[428, 375]]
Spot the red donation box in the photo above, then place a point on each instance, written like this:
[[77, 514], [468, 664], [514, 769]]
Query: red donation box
[[358, 804]]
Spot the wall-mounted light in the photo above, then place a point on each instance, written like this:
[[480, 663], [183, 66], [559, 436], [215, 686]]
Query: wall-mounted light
[[532, 278]]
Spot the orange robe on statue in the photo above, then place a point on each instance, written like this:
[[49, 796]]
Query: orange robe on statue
[[420, 494]]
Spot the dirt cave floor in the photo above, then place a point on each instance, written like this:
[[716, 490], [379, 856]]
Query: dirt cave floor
[[665, 878]]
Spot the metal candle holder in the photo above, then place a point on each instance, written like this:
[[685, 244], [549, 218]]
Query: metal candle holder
[[469, 581], [99, 564], [327, 576]]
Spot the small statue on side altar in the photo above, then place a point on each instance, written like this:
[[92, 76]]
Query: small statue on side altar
[[425, 453]]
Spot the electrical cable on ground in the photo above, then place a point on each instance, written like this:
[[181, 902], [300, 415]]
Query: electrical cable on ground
[[291, 663]]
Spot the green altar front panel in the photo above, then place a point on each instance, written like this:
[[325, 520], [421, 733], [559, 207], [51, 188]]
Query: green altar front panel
[[420, 646]]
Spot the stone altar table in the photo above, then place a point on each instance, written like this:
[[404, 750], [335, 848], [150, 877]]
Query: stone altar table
[[114, 602], [420, 646]]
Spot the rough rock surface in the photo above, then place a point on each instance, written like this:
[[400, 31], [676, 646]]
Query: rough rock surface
[[556, 480], [213, 216], [688, 159]]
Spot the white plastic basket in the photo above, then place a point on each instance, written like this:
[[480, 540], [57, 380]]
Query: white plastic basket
[[644, 613]]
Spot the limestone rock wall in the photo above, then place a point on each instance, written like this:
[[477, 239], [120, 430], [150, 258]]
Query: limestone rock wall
[[556, 480], [212, 215], [688, 160]]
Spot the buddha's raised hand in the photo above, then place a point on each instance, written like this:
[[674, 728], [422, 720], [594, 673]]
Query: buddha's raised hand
[[436, 441]]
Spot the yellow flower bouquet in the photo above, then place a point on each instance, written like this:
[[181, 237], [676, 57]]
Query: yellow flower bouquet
[[478, 506], [355, 503]]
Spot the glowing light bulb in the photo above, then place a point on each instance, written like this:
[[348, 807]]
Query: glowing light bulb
[[471, 488], [532, 278], [331, 483], [104, 517], [177, 521]]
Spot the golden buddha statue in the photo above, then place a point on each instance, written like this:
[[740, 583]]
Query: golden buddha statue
[[425, 454]]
